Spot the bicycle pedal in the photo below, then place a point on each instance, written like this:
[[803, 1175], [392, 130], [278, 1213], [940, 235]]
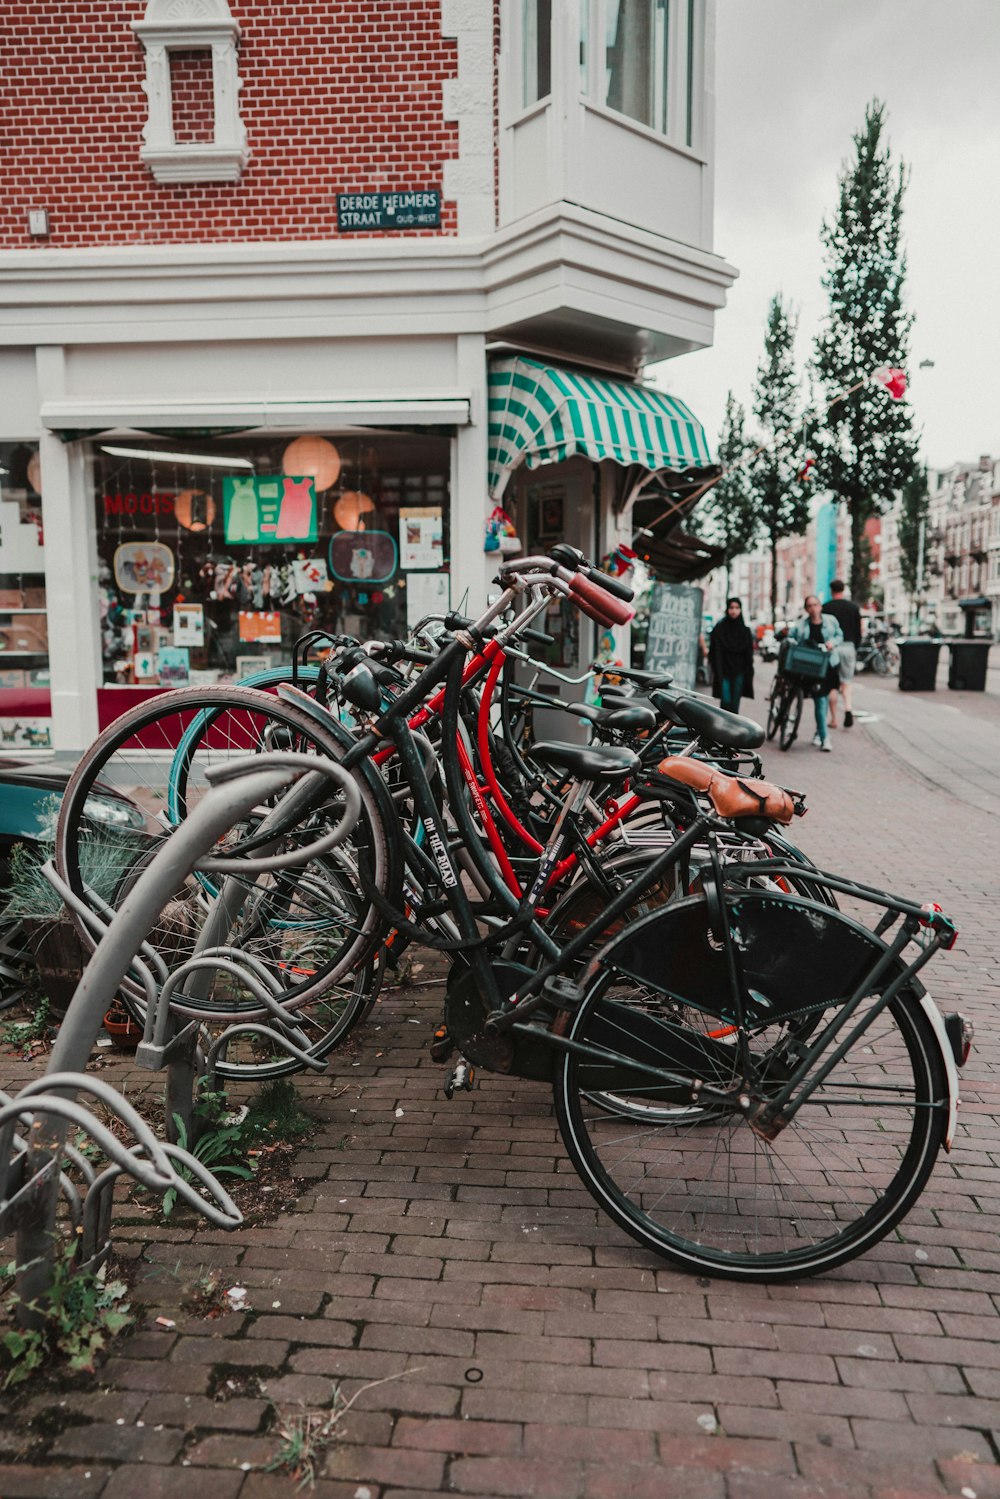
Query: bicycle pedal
[[442, 1046], [461, 1080]]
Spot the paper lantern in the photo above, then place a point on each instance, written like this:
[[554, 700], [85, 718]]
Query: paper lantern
[[314, 458], [194, 509], [351, 507], [35, 473]]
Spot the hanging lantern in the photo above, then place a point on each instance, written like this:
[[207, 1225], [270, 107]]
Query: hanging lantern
[[194, 509], [314, 458], [350, 508], [35, 472]]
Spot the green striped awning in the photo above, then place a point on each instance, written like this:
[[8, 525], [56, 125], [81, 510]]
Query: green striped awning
[[542, 414]]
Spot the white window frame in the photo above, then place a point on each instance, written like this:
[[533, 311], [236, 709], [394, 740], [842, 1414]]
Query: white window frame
[[192, 25], [681, 14]]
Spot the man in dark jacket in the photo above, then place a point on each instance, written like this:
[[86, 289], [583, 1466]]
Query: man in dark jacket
[[848, 616]]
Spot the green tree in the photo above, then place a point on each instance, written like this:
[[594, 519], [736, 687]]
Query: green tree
[[730, 507], [866, 447], [914, 507], [781, 500]]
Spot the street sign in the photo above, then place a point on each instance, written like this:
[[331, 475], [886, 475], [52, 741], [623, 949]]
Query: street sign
[[396, 210]]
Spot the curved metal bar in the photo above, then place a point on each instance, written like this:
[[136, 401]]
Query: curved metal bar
[[97, 915], [247, 786], [171, 865], [79, 1160], [193, 1006], [311, 764], [268, 1003], [74, 1113], [305, 1057], [97, 1206], [111, 1098], [219, 1208]]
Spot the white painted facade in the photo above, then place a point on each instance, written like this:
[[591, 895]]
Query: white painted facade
[[602, 254]]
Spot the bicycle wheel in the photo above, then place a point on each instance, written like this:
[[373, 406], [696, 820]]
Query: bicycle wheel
[[778, 708], [792, 718], [879, 664], [696, 1184], [312, 926]]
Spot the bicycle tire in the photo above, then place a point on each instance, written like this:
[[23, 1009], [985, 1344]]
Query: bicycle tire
[[699, 1187], [792, 719], [777, 709], [140, 744]]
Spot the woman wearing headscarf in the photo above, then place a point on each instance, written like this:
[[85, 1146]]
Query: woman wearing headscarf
[[730, 655]]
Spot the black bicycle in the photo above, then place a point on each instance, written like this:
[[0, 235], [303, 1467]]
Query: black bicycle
[[784, 712]]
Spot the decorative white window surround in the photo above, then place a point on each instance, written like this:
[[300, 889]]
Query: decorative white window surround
[[183, 25]]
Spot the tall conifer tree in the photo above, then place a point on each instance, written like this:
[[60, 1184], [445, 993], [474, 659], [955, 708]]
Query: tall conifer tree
[[866, 447], [730, 507], [781, 500], [913, 512]]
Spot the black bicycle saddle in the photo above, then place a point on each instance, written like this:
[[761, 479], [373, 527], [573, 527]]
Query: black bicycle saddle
[[717, 724], [627, 715], [590, 762]]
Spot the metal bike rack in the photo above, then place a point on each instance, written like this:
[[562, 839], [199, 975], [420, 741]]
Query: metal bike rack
[[38, 1166]]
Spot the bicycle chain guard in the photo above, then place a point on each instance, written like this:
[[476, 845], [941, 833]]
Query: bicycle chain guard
[[466, 1011]]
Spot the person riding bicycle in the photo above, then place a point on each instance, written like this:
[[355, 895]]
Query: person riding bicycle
[[817, 628]]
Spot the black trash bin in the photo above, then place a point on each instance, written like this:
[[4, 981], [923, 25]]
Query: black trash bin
[[918, 664], [967, 665]]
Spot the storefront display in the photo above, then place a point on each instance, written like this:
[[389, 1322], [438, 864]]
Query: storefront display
[[213, 562], [25, 703]]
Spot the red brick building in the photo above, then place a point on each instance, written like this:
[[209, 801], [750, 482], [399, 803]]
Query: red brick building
[[228, 226]]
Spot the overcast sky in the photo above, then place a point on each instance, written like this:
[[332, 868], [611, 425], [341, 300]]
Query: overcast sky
[[792, 81]]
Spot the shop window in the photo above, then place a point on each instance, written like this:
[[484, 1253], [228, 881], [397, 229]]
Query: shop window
[[25, 703], [215, 558], [193, 130]]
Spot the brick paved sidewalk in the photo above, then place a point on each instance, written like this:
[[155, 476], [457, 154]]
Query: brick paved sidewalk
[[549, 1355]]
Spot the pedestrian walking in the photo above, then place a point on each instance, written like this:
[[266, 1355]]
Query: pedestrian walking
[[817, 628], [730, 657], [848, 616]]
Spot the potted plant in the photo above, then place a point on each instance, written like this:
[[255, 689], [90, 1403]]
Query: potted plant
[[120, 1026], [36, 908]]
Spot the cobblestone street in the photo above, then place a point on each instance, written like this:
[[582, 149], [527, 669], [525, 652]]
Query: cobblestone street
[[542, 1352]]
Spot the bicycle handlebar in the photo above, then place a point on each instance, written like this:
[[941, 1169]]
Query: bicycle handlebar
[[574, 561], [601, 606]]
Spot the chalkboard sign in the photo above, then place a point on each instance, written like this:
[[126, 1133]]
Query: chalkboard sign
[[674, 627]]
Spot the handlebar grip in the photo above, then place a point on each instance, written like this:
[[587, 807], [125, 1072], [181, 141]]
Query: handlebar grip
[[538, 637], [598, 603], [609, 584]]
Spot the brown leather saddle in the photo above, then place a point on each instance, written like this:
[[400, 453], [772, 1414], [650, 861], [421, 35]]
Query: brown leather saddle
[[734, 796]]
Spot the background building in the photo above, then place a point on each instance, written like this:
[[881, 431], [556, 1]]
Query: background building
[[252, 223], [961, 552]]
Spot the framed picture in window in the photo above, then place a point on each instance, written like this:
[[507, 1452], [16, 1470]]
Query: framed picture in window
[[547, 511]]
